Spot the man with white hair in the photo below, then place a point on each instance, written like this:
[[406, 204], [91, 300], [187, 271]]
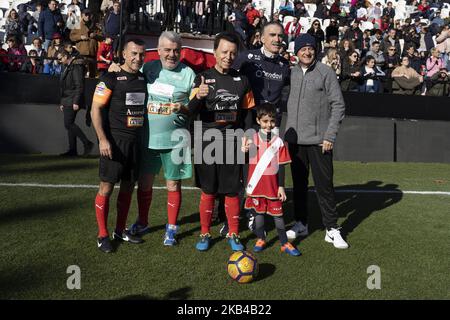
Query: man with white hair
[[169, 84]]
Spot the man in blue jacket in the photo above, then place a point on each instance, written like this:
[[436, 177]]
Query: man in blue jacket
[[50, 22]]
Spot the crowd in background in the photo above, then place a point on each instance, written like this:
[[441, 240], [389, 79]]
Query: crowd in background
[[39, 30], [370, 48]]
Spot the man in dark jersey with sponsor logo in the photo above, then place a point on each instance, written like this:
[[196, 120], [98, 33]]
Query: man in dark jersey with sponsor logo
[[269, 76], [118, 109], [221, 97]]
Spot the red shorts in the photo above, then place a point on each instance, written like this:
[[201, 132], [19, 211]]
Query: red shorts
[[264, 205]]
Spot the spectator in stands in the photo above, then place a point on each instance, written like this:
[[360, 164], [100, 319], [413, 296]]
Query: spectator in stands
[[317, 32], [371, 76], [255, 41], [251, 13], [50, 22], [333, 60], [55, 45], [389, 11], [417, 24], [321, 10], [414, 60], [434, 63], [33, 65], [71, 48], [437, 19], [106, 5], [351, 72], [361, 13], [12, 25], [332, 30], [112, 24], [262, 15], [332, 44], [105, 55], [391, 40], [15, 48], [286, 8], [424, 8], [25, 21], [78, 3], [53, 67], [392, 61], [72, 99], [35, 18], [335, 9], [439, 84], [239, 21], [411, 38], [355, 35], [374, 14], [252, 29], [405, 79], [365, 42], [345, 47], [37, 45], [276, 17], [377, 36], [3, 58], [377, 54], [85, 41], [292, 29], [443, 45], [300, 9]]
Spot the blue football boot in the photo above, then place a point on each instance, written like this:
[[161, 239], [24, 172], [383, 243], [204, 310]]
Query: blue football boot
[[204, 242], [169, 237], [235, 242]]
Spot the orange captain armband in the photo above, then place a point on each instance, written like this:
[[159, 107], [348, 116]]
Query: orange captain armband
[[249, 101], [102, 94]]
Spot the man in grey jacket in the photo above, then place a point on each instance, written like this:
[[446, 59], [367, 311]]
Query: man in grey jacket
[[315, 110]]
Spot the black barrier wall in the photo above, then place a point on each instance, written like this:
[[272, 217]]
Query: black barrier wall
[[377, 127]]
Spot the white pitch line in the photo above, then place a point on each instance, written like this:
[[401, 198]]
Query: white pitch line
[[92, 186]]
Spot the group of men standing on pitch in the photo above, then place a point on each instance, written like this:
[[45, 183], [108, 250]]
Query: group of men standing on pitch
[[136, 108]]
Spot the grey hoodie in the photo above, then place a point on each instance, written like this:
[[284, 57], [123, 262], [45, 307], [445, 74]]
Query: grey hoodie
[[315, 106]]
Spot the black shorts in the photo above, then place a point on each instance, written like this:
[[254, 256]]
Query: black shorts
[[219, 178], [124, 163]]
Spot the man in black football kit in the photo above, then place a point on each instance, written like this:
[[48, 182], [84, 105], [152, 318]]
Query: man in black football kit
[[221, 97], [269, 75], [118, 108], [267, 70]]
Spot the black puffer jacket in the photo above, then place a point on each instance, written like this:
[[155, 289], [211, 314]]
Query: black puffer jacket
[[72, 84]]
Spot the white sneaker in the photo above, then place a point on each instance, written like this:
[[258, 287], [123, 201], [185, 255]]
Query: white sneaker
[[334, 236], [299, 229]]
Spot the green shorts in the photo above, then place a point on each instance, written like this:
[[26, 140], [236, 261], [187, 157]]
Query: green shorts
[[153, 159]]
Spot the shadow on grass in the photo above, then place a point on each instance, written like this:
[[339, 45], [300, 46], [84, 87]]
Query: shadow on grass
[[354, 206], [36, 211], [265, 271], [20, 279], [179, 294], [51, 168]]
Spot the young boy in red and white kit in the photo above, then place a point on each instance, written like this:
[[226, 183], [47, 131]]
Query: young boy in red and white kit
[[265, 181]]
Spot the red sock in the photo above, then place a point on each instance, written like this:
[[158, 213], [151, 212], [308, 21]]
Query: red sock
[[206, 210], [232, 210], [173, 206], [144, 199], [123, 206], [101, 213]]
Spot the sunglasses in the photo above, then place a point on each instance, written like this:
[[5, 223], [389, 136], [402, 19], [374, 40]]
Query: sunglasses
[[355, 56], [315, 24], [391, 49]]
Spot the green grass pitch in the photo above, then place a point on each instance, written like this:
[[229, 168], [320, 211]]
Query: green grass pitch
[[46, 230]]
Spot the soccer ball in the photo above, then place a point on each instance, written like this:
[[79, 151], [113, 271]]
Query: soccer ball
[[242, 266]]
